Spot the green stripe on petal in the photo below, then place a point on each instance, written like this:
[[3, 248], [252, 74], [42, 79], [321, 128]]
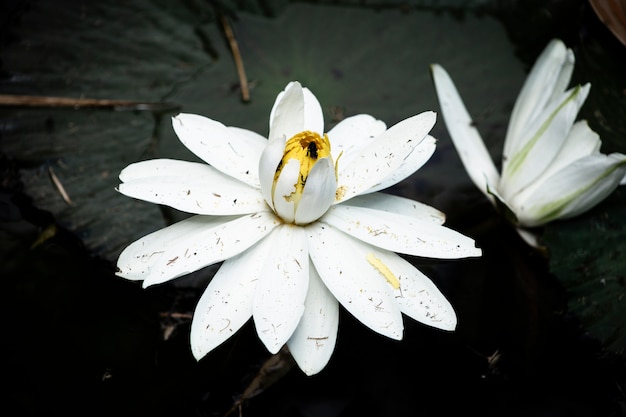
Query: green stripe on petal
[[516, 162], [594, 191]]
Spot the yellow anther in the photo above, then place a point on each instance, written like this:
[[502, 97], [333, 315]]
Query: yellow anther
[[306, 147], [384, 270]]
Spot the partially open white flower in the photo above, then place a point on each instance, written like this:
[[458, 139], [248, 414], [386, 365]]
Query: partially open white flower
[[552, 167], [299, 226]]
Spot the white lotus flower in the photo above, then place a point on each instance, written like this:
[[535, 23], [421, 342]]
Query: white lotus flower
[[552, 167], [299, 226]]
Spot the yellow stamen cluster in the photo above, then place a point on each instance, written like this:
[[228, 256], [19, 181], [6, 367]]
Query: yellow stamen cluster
[[306, 147]]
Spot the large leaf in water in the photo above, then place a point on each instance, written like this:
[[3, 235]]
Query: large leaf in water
[[588, 256], [100, 50]]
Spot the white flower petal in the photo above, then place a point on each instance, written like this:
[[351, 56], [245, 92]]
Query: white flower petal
[[530, 237], [352, 133], [383, 156], [190, 245], [279, 300], [398, 205], [160, 168], [401, 233], [253, 136], [417, 295], [284, 191], [313, 342], [313, 115], [581, 142], [288, 109], [226, 149], [341, 262], [412, 163], [226, 304], [465, 137], [295, 110], [190, 187], [270, 158], [549, 76], [542, 142], [573, 190], [319, 192]]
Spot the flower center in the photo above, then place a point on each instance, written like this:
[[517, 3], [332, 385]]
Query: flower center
[[306, 147]]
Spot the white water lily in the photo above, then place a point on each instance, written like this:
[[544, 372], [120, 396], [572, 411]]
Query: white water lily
[[299, 225], [552, 167]]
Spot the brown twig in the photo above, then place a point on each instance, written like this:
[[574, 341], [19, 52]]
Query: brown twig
[[49, 101], [57, 183], [241, 72], [273, 369]]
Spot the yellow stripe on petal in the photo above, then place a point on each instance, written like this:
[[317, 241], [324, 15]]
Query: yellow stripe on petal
[[384, 270]]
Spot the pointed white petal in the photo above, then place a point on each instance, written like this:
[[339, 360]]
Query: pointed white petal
[[226, 304], [289, 104], [398, 205], [549, 77], [231, 152], [190, 245], [581, 142], [313, 342], [530, 237], [416, 294], [284, 191], [160, 168], [319, 192], [295, 110], [270, 158], [190, 187], [341, 262], [542, 142], [352, 133], [313, 117], [253, 136], [465, 137], [383, 156], [400, 233], [279, 300], [573, 190], [412, 163]]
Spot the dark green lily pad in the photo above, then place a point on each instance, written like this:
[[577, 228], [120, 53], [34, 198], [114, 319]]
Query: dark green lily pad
[[100, 51], [588, 255]]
